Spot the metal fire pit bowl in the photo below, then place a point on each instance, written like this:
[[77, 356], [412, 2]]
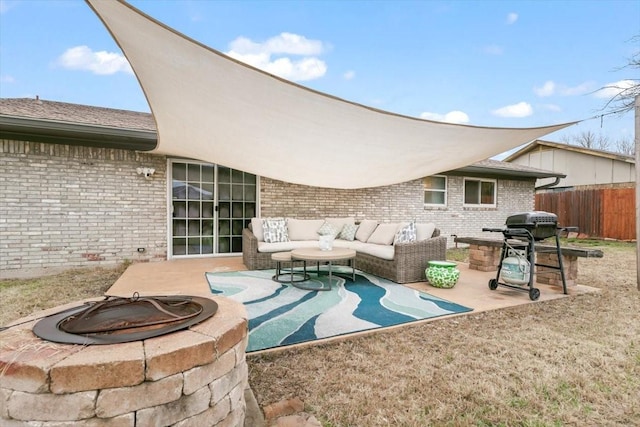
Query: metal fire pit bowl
[[118, 320]]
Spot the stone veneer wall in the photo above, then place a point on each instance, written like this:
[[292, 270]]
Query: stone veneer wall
[[196, 377], [399, 202], [72, 206]]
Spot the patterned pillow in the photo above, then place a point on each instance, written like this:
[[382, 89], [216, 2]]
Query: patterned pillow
[[406, 234], [275, 230], [348, 232], [327, 229]]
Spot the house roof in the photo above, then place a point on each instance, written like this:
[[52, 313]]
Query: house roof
[[64, 123], [540, 144], [502, 168], [60, 122]]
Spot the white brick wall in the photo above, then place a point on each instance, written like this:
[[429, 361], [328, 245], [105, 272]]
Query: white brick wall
[[74, 206], [400, 202]]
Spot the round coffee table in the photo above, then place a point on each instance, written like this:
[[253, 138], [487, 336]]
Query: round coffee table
[[336, 254], [293, 276]]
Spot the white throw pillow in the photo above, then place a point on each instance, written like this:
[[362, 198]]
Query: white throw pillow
[[384, 234], [424, 231], [328, 229], [348, 232], [365, 229], [303, 229], [274, 230], [406, 234], [339, 223], [256, 227]]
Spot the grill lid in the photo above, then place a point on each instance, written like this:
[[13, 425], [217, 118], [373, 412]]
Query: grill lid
[[117, 320], [534, 218]]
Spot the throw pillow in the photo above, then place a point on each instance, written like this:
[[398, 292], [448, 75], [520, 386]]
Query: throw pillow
[[365, 229], [327, 229], [425, 231], [406, 234], [348, 232], [384, 234], [274, 230]]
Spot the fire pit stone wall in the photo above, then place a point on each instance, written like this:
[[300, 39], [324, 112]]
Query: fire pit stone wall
[[191, 377]]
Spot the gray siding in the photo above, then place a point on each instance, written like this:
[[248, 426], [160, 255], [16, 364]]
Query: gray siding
[[580, 168]]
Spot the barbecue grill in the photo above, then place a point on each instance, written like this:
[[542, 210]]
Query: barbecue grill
[[541, 225], [517, 258]]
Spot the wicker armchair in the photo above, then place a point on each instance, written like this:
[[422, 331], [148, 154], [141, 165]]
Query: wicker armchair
[[408, 265]]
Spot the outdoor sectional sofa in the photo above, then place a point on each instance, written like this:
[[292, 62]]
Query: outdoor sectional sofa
[[396, 251]]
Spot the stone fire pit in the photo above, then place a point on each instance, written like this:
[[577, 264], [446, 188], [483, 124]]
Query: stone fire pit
[[194, 377]]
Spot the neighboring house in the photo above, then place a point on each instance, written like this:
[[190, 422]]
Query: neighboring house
[[77, 189], [598, 193]]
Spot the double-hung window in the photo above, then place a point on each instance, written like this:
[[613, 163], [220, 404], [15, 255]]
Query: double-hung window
[[480, 192], [435, 190]]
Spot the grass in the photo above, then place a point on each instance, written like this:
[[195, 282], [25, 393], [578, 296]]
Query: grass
[[572, 361]]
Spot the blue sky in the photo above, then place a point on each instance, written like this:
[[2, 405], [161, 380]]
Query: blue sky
[[486, 63]]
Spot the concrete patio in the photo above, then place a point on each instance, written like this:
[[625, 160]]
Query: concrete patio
[[187, 277]]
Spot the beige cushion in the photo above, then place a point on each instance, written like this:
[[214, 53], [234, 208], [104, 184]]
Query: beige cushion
[[256, 227], [365, 229], [304, 229], [424, 231], [384, 234]]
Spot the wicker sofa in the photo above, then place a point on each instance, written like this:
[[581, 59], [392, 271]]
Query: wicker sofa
[[401, 262]]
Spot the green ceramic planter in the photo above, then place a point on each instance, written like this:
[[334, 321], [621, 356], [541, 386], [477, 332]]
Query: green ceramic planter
[[442, 274]]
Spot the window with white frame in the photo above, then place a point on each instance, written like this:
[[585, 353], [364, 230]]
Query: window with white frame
[[435, 190], [480, 192]]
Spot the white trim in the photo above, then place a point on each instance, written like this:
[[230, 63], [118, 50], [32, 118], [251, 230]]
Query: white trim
[[445, 191]]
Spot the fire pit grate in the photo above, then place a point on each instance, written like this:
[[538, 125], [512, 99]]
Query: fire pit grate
[[118, 320]]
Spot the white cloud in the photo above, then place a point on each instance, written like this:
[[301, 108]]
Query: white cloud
[[547, 89], [273, 56], [550, 88], [451, 117], [512, 18], [6, 78], [101, 62], [521, 109], [349, 75], [613, 89], [493, 49]]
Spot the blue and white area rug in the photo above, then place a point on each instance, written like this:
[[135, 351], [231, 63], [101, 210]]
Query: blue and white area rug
[[281, 314]]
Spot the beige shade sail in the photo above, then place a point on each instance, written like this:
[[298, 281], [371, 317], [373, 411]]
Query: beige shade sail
[[210, 107]]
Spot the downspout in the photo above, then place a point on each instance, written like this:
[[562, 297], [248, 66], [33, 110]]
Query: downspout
[[551, 184]]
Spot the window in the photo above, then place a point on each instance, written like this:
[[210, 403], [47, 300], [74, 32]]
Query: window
[[435, 190], [479, 192]]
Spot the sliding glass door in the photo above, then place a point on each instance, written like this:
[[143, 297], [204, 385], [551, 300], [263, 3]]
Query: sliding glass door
[[210, 205]]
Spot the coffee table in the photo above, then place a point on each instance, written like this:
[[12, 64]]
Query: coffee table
[[288, 276], [317, 255]]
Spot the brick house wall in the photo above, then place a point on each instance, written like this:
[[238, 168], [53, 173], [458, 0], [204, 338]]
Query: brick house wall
[[71, 206], [400, 202]]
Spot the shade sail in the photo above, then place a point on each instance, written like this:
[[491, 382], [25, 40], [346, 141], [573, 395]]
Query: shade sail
[[210, 107]]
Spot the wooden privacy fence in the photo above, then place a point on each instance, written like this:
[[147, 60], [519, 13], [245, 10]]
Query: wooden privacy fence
[[602, 212]]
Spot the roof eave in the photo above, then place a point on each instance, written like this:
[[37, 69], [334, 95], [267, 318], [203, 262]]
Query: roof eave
[[56, 132], [483, 170]]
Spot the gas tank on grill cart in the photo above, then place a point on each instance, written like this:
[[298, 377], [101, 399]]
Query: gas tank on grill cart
[[515, 268]]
